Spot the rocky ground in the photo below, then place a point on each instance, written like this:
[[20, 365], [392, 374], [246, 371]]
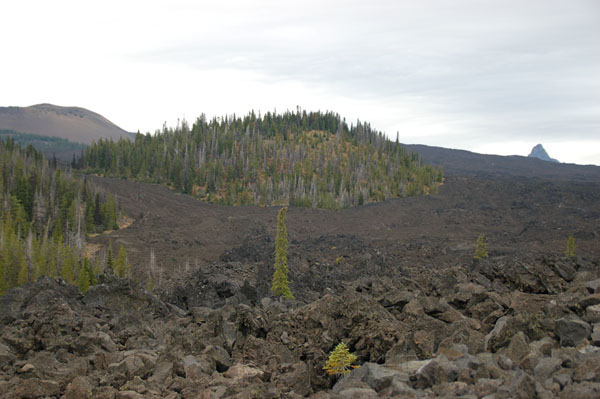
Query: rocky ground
[[395, 281], [500, 328]]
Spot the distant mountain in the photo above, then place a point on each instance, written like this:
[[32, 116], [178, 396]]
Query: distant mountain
[[540, 153], [75, 124], [466, 163]]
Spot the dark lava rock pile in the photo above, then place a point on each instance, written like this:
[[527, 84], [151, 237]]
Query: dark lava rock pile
[[500, 328]]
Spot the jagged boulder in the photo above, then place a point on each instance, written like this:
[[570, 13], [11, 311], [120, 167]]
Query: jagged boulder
[[572, 331], [79, 388], [372, 376]]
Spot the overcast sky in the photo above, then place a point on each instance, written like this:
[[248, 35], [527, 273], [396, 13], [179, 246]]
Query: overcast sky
[[487, 76]]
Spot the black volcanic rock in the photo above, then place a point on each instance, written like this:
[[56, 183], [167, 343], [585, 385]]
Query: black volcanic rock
[[118, 339], [540, 153]]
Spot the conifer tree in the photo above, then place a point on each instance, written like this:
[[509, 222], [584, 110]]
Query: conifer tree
[[91, 272], [84, 280], [570, 252], [40, 269], [109, 259], [52, 267], [66, 270], [281, 284], [23, 272], [121, 265], [481, 248], [90, 227], [340, 361], [3, 285], [97, 269], [150, 285]]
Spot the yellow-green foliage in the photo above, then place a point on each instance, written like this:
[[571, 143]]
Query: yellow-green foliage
[[121, 264], [23, 272], [281, 284], [570, 252], [481, 248], [150, 285], [340, 361], [84, 281]]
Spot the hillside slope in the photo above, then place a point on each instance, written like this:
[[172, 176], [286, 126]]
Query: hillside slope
[[303, 159], [72, 123]]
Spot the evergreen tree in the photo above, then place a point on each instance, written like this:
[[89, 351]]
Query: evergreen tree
[[150, 284], [23, 272], [281, 284], [481, 248], [84, 280], [570, 252], [109, 259], [340, 361], [52, 267], [121, 264], [3, 284], [91, 272], [98, 220], [66, 270], [90, 226]]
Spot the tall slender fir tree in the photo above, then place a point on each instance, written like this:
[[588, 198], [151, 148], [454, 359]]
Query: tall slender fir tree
[[281, 284]]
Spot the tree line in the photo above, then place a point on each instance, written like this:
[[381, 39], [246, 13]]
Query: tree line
[[45, 215], [294, 158]]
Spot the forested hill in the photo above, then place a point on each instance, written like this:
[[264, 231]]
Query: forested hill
[[45, 213], [298, 158]]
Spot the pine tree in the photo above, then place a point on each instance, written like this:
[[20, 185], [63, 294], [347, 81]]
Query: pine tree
[[481, 248], [90, 227], [3, 285], [570, 252], [98, 221], [52, 267], [109, 259], [121, 265], [97, 270], [66, 270], [23, 272], [84, 280], [90, 270], [281, 284], [340, 361], [150, 285]]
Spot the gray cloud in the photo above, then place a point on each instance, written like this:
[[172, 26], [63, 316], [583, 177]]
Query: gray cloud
[[498, 69]]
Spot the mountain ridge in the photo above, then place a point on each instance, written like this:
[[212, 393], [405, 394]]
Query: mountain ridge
[[462, 162], [75, 124]]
